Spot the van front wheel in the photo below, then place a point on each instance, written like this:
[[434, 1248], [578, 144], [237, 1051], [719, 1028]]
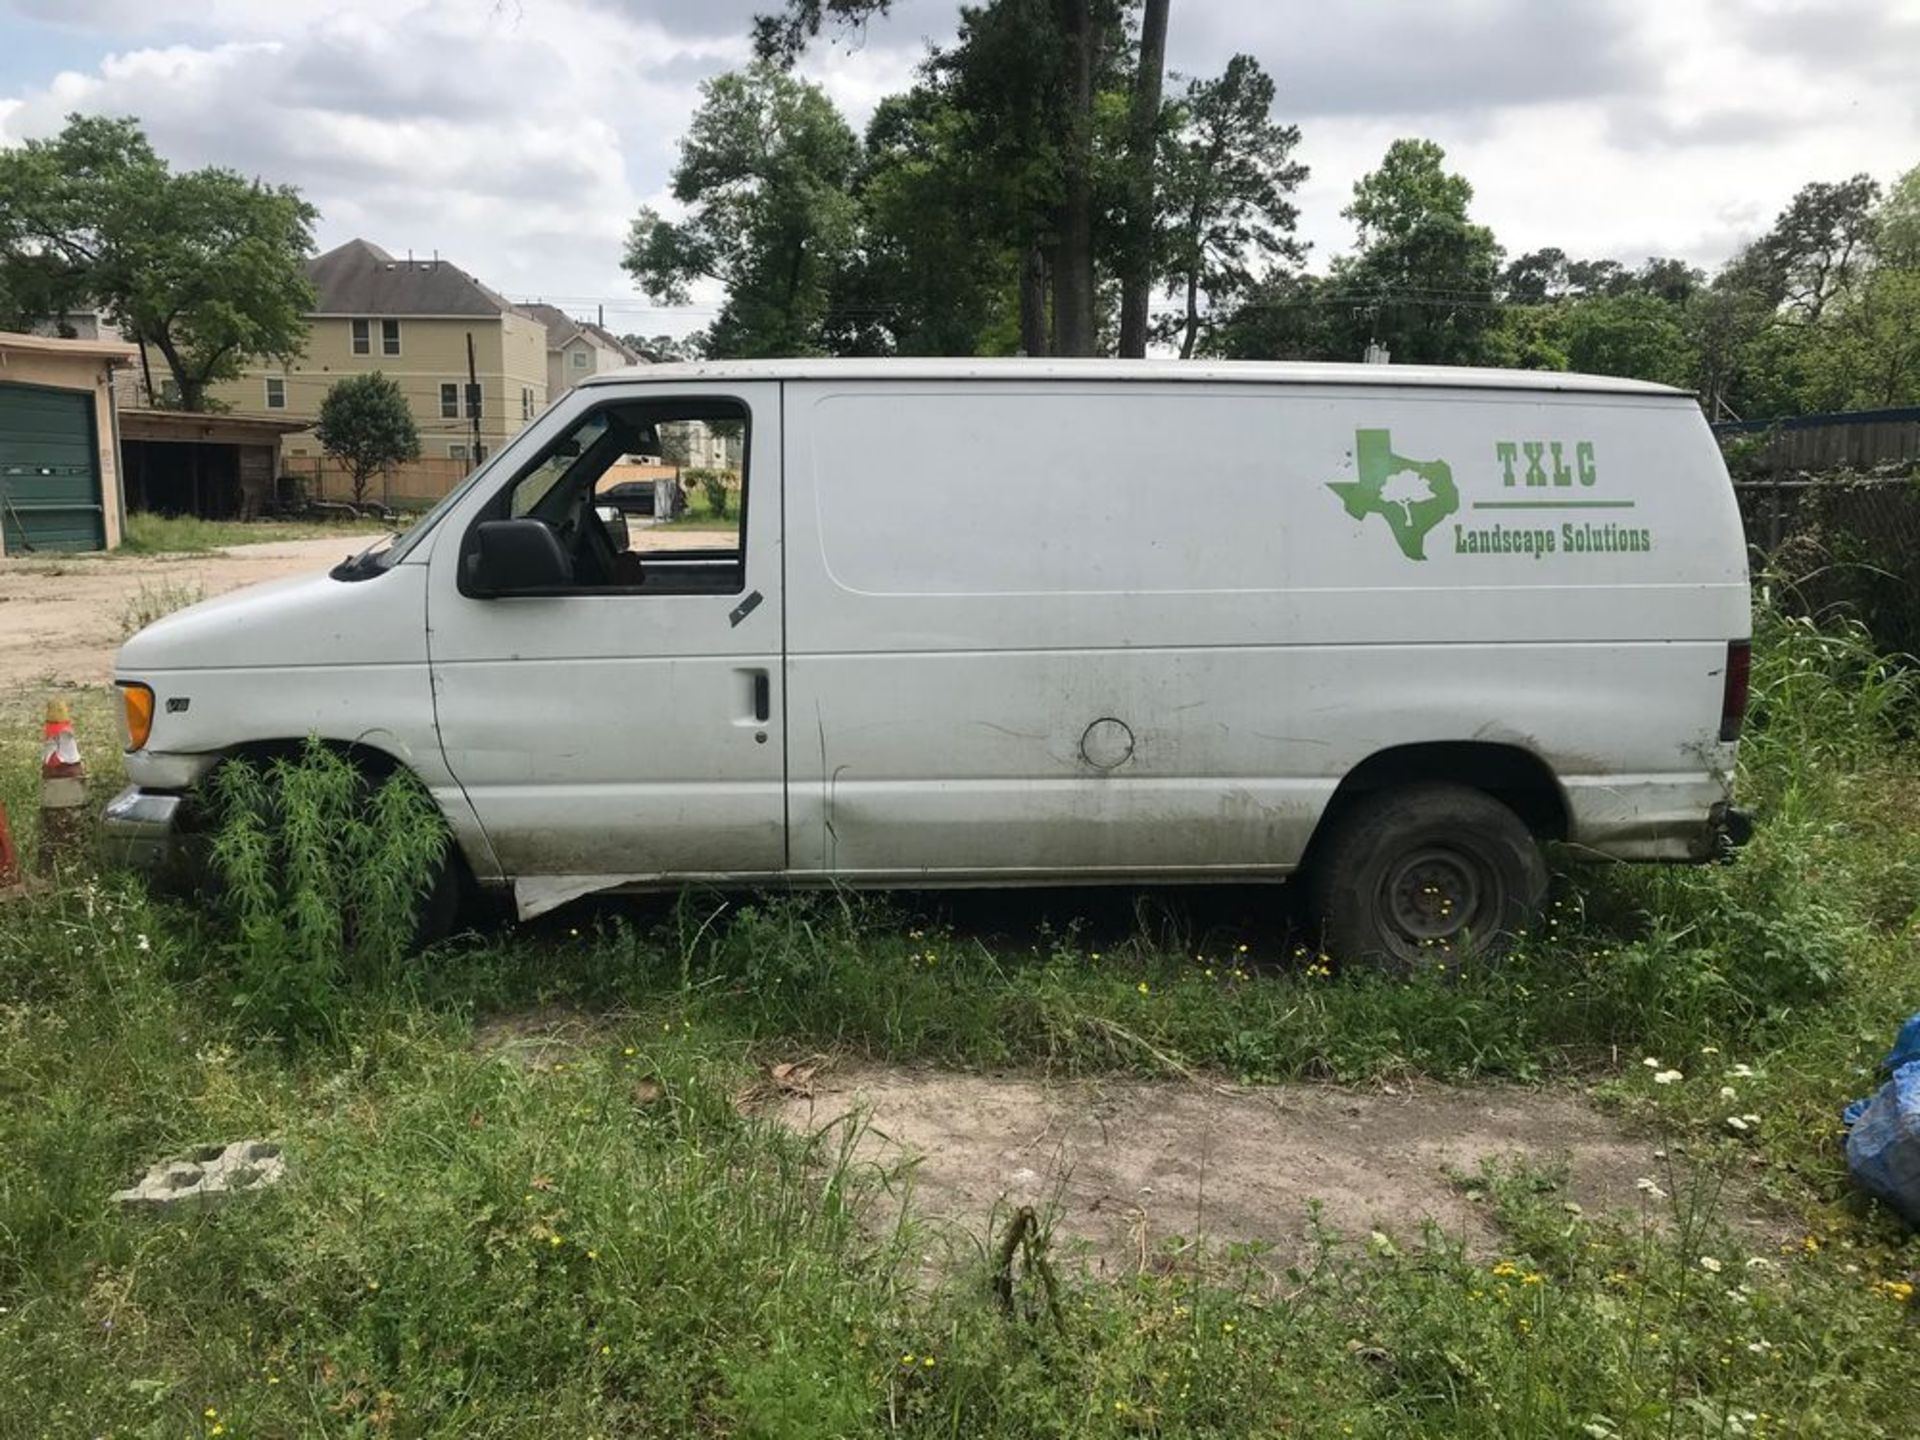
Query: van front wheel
[[1426, 874]]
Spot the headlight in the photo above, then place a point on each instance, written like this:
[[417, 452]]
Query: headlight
[[136, 713]]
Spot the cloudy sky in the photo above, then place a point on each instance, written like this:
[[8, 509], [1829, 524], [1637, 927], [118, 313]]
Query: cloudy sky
[[517, 137]]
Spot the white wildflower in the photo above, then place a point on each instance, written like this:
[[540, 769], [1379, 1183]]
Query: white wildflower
[[1709, 1264], [1668, 1077]]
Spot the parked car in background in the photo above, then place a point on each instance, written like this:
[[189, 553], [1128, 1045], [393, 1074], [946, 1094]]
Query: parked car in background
[[631, 497]]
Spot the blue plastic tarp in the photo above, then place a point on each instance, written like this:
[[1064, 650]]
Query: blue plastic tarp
[[1883, 1145]]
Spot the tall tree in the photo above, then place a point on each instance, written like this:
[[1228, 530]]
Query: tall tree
[[1637, 335], [939, 259], [1818, 246], [1896, 225], [765, 173], [206, 267], [1229, 174], [1028, 71], [1423, 281], [1535, 277], [1143, 140]]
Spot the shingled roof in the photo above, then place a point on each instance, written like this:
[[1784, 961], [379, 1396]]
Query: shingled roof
[[562, 327], [359, 278]]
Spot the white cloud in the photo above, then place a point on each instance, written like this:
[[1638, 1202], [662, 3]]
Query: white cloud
[[518, 137]]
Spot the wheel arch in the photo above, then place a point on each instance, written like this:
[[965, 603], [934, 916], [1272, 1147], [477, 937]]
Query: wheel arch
[[1515, 776]]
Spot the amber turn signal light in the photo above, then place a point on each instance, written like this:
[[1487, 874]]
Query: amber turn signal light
[[137, 701]]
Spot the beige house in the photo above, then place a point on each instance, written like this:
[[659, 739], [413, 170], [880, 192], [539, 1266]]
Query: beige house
[[577, 349], [60, 484], [412, 319]]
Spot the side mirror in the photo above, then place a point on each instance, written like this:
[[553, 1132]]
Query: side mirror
[[515, 556]]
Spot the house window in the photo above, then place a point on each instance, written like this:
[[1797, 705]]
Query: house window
[[456, 452], [473, 402], [449, 401], [276, 393], [362, 344], [526, 402], [581, 359], [389, 337]]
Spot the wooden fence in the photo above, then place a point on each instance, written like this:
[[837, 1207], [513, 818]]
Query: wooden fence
[[412, 486], [1843, 440]]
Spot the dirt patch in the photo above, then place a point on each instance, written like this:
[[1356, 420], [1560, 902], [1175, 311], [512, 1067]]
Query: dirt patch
[[539, 1037], [61, 617], [1131, 1165]]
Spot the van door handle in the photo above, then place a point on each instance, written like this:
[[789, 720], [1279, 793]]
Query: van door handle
[[762, 696]]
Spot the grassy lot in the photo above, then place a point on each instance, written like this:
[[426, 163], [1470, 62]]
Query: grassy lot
[[699, 514], [607, 1245], [149, 534]]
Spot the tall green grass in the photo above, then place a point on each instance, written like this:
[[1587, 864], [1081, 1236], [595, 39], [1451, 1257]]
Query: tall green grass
[[607, 1243]]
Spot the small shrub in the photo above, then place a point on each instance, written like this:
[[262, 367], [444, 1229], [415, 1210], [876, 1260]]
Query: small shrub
[[713, 489], [320, 874], [152, 602]]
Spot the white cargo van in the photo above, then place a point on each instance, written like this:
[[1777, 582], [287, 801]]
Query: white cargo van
[[1013, 623]]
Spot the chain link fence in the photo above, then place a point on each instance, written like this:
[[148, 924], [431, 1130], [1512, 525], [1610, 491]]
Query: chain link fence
[[1843, 540]]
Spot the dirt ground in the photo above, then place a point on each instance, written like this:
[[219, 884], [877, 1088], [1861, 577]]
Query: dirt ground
[[1133, 1168], [62, 618]]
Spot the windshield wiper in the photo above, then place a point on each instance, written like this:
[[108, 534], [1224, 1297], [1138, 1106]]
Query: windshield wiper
[[357, 567]]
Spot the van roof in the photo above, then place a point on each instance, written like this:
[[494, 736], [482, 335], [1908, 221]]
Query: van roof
[[1235, 372]]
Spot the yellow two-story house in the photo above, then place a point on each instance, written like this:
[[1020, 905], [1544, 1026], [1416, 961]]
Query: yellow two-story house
[[413, 319]]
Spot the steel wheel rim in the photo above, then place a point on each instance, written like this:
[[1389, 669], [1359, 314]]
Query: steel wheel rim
[[1435, 897]]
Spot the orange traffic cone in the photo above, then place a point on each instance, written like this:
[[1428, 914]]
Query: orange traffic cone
[[63, 792], [9, 855]]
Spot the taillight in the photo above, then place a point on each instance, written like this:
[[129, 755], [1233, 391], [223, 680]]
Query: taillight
[[1733, 696]]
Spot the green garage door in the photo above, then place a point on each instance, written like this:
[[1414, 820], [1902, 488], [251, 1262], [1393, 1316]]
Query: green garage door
[[49, 470]]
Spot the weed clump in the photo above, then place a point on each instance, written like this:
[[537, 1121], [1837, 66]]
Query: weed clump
[[321, 874]]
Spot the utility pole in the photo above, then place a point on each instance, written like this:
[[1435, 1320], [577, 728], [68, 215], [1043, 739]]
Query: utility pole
[[473, 405], [1143, 133]]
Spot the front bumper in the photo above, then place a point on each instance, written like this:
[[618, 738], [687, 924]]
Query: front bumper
[[139, 831]]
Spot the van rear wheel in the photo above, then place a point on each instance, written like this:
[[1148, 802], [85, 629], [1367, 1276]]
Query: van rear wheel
[[1426, 874]]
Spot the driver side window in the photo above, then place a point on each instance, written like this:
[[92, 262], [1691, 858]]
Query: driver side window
[[645, 496]]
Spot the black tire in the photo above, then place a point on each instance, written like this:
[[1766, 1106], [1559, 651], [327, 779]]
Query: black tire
[[1425, 874], [441, 904]]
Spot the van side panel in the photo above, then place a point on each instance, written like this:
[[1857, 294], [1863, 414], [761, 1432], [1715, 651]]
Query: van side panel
[[1146, 628]]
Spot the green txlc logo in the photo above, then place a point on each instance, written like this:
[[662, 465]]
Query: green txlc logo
[[1414, 497]]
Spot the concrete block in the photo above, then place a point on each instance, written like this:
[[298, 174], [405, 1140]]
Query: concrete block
[[207, 1174]]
